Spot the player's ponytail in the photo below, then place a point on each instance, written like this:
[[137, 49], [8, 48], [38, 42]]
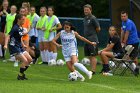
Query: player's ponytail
[[18, 16]]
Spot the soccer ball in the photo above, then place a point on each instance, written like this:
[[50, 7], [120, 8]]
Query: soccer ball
[[60, 62], [133, 66], [52, 62], [73, 76], [85, 61], [111, 64]]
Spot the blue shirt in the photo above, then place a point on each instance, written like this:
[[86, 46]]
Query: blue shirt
[[15, 35], [131, 27]]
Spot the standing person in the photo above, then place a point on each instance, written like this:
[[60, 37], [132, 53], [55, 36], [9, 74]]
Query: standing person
[[113, 49], [91, 28], [70, 51], [10, 18], [129, 36], [9, 23], [33, 17], [53, 24], [27, 6], [15, 46], [26, 26], [3, 12], [41, 27], [25, 37]]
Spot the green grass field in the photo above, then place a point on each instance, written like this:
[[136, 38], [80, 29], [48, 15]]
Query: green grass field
[[53, 79]]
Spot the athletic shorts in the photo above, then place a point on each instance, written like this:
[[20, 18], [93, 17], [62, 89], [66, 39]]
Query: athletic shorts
[[15, 50], [41, 37], [52, 36], [33, 39], [90, 50], [134, 53], [118, 55], [68, 54], [0, 26]]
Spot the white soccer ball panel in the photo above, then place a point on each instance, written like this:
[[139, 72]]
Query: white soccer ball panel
[[85, 61], [52, 62], [60, 62], [72, 76]]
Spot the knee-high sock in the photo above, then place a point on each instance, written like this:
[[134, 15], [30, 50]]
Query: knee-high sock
[[1, 51], [46, 55], [81, 67], [54, 56], [51, 55], [42, 55]]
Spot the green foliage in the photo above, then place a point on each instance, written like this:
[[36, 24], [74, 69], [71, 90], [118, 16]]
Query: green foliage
[[70, 8]]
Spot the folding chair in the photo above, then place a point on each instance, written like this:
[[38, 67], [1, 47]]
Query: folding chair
[[125, 60]]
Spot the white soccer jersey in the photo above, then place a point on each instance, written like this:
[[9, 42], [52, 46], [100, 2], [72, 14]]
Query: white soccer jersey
[[69, 44], [33, 31]]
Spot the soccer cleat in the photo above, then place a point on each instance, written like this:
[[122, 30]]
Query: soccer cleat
[[35, 60], [40, 63], [93, 72], [107, 74], [20, 77], [4, 61], [16, 64], [24, 76], [82, 78], [89, 74]]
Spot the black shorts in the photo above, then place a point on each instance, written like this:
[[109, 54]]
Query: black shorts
[[15, 50], [118, 55], [134, 53], [90, 50], [33, 39], [0, 26]]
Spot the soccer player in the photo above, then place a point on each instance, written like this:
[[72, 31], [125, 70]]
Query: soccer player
[[129, 36], [53, 24], [10, 18], [15, 46], [41, 27], [9, 23], [113, 49], [3, 12], [26, 26], [91, 28], [70, 51], [34, 52], [33, 17]]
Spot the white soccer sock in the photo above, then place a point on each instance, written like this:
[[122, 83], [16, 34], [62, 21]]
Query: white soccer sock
[[48, 56], [45, 56], [51, 55], [54, 56], [81, 67], [0, 50], [79, 75], [42, 56]]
